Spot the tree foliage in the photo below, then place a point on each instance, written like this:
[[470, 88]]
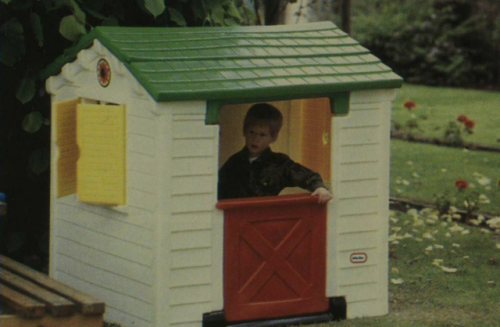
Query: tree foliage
[[435, 42], [32, 34]]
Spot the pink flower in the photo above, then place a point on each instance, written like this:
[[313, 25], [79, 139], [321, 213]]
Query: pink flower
[[461, 184], [409, 105]]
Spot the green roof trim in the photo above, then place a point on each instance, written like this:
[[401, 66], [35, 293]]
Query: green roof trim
[[228, 64], [339, 103], [212, 112]]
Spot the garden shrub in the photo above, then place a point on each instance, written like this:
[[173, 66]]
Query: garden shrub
[[433, 42]]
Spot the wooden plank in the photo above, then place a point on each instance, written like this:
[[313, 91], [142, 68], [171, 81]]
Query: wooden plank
[[21, 304], [56, 305], [86, 304], [77, 320]]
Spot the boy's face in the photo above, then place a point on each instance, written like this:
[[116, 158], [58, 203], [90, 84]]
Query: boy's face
[[257, 139]]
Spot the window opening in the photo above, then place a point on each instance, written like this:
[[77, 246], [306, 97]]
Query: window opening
[[305, 135]]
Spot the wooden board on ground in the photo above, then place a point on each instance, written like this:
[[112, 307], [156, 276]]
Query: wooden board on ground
[[37, 300]]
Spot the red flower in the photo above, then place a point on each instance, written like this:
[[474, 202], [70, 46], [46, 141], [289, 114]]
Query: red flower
[[470, 123], [409, 105], [461, 184], [462, 118]]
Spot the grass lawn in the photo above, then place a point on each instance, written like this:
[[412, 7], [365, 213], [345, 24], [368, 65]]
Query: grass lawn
[[422, 171], [422, 293], [436, 106]]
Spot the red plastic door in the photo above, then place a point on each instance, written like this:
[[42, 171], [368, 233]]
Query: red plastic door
[[274, 257]]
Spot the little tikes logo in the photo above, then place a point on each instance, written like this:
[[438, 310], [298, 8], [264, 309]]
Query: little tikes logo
[[359, 257]]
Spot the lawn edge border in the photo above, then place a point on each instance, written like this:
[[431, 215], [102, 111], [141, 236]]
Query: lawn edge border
[[436, 141]]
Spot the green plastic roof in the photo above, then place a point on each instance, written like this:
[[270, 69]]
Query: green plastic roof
[[240, 63]]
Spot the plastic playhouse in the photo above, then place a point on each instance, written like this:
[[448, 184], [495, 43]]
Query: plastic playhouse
[[142, 120]]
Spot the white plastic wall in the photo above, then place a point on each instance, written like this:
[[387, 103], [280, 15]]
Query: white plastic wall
[[109, 252], [191, 269], [359, 212]]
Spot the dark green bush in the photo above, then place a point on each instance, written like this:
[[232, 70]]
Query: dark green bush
[[434, 42]]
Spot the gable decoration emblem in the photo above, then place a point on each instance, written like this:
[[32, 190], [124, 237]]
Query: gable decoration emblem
[[103, 72]]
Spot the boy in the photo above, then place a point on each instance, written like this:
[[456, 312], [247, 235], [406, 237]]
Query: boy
[[256, 170]]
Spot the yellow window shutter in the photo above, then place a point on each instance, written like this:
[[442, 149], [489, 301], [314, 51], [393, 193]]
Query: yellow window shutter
[[101, 167], [67, 149]]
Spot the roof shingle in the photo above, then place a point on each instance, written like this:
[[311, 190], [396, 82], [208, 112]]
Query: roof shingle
[[229, 63]]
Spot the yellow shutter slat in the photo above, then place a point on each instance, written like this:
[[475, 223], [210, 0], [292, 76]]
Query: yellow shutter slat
[[67, 149], [101, 168]]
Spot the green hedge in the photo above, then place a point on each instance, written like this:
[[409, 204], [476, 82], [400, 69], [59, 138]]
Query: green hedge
[[433, 42]]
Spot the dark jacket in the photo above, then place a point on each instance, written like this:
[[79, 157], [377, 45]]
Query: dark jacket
[[267, 175]]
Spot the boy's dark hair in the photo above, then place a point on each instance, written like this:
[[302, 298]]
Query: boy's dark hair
[[264, 113]]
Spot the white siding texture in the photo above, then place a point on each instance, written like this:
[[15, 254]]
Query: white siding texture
[[193, 262], [359, 213], [108, 252]]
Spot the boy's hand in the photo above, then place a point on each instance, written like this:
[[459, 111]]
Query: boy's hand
[[323, 195]]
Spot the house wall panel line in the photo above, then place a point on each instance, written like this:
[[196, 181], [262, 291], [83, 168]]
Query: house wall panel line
[[111, 227], [105, 279], [123, 249], [104, 261]]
